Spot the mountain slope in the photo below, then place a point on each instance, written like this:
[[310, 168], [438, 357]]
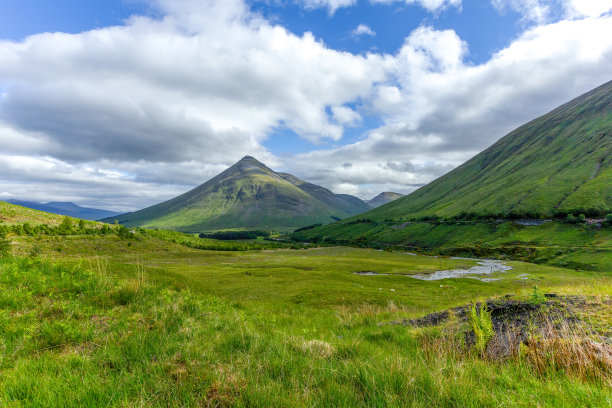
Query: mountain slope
[[558, 163], [67, 208], [383, 198], [247, 195]]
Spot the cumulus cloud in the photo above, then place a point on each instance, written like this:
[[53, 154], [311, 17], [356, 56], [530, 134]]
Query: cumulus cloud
[[439, 110], [363, 29], [206, 82], [123, 117]]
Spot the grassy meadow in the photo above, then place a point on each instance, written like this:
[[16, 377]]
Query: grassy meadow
[[104, 320], [575, 246]]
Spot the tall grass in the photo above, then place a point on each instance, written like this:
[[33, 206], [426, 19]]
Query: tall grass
[[81, 337]]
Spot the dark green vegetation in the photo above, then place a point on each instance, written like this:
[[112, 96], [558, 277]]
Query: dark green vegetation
[[116, 321], [562, 244], [383, 198], [236, 235], [248, 195]]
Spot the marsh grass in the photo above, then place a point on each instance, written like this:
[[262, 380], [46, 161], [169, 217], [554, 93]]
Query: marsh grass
[[76, 336], [553, 343], [559, 345]]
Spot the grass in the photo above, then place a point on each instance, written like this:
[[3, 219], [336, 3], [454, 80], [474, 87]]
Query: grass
[[11, 214], [566, 245], [78, 336], [95, 320]]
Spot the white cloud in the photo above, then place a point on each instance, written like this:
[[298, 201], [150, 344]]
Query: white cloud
[[546, 11], [588, 8], [430, 5], [333, 5], [124, 91], [363, 29], [124, 117], [538, 11], [439, 110], [330, 5], [345, 116]]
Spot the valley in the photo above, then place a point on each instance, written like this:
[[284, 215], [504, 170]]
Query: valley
[[490, 286], [136, 318]]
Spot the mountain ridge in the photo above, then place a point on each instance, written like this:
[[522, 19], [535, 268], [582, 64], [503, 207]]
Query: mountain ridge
[[383, 198], [247, 195], [558, 163], [66, 208]]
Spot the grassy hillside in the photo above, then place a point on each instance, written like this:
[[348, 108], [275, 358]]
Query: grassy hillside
[[383, 198], [558, 163], [562, 244], [67, 208], [15, 214], [247, 195], [103, 321]]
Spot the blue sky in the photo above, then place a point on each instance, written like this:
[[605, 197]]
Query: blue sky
[[124, 103], [477, 22]]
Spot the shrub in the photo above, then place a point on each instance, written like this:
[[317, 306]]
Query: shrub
[[65, 228]]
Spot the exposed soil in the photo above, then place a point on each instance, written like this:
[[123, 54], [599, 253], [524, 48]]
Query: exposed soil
[[516, 322]]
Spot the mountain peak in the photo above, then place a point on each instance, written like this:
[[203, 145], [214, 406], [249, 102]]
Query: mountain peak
[[247, 195], [249, 159], [383, 198]]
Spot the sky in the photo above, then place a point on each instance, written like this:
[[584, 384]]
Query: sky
[[121, 104]]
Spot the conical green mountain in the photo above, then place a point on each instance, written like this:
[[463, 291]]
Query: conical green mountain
[[383, 198], [247, 195], [558, 163]]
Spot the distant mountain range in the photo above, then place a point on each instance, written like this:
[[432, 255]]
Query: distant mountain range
[[248, 195], [558, 163], [66, 208], [383, 198]]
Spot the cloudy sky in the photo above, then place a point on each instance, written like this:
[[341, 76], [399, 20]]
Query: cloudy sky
[[121, 104]]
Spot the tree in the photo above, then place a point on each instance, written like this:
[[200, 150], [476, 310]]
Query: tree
[[65, 228]]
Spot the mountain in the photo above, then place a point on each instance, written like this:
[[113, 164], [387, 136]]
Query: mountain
[[558, 163], [67, 208], [247, 195], [383, 198]]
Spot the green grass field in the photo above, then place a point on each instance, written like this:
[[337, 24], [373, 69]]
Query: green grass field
[[567, 245], [109, 321]]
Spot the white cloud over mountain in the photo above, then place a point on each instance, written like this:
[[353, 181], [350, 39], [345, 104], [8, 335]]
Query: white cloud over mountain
[[127, 116]]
